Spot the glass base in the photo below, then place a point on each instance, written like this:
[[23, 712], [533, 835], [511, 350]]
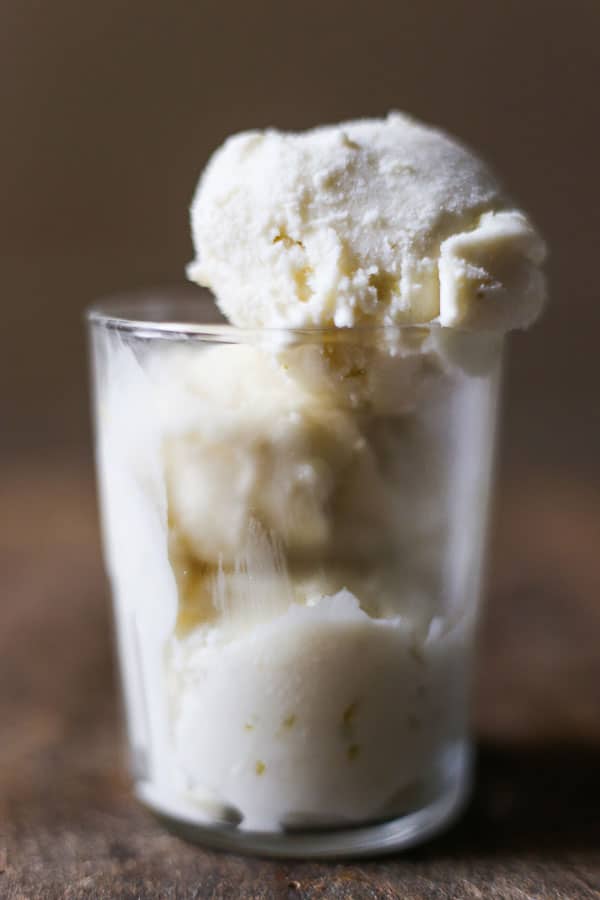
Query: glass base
[[377, 838]]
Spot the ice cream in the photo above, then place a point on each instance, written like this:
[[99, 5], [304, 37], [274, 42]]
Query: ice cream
[[374, 221], [294, 520], [288, 577], [300, 735]]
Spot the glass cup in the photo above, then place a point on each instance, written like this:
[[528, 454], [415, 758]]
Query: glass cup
[[294, 528]]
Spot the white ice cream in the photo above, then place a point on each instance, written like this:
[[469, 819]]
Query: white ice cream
[[299, 733], [306, 469], [293, 524], [373, 221], [278, 571]]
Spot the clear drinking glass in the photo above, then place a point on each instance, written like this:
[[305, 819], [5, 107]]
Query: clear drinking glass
[[294, 525]]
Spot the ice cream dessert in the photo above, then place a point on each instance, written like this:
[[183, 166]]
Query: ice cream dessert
[[294, 509], [374, 221]]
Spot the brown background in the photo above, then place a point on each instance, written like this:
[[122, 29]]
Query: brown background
[[108, 112]]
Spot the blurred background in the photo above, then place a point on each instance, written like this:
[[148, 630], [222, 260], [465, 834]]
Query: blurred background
[[110, 110]]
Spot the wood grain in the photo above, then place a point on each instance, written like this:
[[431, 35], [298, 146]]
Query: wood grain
[[70, 828]]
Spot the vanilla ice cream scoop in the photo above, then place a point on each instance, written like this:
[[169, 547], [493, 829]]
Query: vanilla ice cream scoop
[[298, 466], [377, 221], [294, 511]]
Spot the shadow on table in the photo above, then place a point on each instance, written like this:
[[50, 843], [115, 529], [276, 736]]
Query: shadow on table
[[536, 798]]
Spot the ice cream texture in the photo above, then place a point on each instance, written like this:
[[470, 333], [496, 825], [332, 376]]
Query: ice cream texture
[[294, 520], [375, 221], [278, 559]]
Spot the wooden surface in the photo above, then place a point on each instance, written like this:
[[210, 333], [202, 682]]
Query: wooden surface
[[70, 828]]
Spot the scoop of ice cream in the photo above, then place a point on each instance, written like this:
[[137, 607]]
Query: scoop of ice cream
[[308, 712], [368, 222], [246, 446]]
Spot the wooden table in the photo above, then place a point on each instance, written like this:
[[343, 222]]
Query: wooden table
[[70, 828]]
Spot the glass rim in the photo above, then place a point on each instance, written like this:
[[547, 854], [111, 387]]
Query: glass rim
[[184, 312]]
